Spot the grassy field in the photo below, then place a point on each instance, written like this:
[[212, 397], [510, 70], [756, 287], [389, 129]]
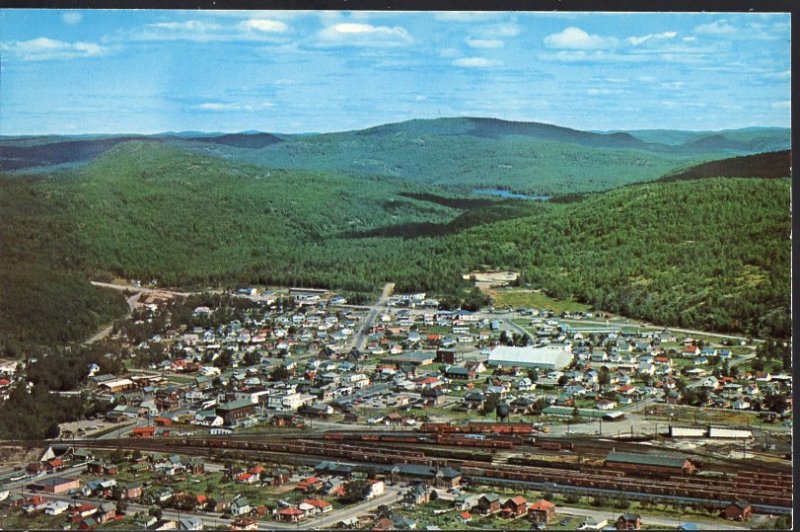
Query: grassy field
[[701, 416], [519, 298]]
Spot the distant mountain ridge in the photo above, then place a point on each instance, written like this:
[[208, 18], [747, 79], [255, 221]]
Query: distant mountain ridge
[[771, 165], [497, 128], [460, 152]]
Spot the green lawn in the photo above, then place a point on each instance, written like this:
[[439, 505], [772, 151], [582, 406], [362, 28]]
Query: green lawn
[[518, 298], [16, 520]]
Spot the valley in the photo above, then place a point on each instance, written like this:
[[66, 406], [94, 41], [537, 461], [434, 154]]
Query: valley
[[225, 210]]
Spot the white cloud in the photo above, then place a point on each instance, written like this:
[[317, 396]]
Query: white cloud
[[483, 43], [253, 29], [590, 56], [636, 41], [573, 38], [72, 17], [197, 26], [786, 104], [784, 74], [360, 34], [717, 28], [506, 29], [605, 92], [234, 106], [476, 62], [43, 49], [265, 25]]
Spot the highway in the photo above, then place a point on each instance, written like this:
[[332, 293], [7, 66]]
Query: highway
[[360, 337]]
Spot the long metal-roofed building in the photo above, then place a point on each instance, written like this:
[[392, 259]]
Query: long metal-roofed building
[[547, 357], [648, 463]]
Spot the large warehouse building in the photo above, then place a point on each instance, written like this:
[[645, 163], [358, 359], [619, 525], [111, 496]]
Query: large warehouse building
[[547, 357]]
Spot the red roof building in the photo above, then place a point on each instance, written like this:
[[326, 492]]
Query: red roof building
[[143, 432], [517, 505], [290, 514], [542, 511]]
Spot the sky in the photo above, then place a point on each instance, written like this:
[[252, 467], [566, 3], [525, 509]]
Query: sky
[[147, 71]]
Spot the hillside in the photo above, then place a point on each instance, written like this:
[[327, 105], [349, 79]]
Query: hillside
[[711, 254], [45, 295], [765, 165]]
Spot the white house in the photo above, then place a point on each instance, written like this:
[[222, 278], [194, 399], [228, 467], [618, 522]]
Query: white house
[[56, 507], [376, 489]]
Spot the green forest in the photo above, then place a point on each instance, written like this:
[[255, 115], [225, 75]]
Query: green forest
[[710, 252]]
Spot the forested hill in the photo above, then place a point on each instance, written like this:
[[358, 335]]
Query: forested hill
[[711, 254], [764, 165]]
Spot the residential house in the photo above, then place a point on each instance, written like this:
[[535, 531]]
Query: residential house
[[56, 507], [515, 506], [309, 485], [489, 504], [290, 515], [244, 523], [105, 512], [628, 521], [376, 489], [240, 506], [542, 511], [474, 400], [321, 506], [418, 494], [34, 505], [132, 490], [690, 351], [459, 373]]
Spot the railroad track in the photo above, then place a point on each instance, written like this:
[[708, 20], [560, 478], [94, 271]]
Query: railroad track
[[760, 486]]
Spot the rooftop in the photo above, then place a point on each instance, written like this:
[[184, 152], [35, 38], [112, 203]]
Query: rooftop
[[646, 459]]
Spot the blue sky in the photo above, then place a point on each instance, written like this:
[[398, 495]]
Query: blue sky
[[153, 71]]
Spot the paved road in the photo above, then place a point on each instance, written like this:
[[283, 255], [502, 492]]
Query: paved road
[[514, 327], [392, 495], [107, 330], [123, 287], [360, 337], [123, 431], [653, 520]]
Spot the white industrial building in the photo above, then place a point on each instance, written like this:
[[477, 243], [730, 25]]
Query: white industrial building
[[548, 357]]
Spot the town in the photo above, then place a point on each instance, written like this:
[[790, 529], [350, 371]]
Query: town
[[273, 408]]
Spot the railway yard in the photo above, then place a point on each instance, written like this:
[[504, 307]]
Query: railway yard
[[485, 456]]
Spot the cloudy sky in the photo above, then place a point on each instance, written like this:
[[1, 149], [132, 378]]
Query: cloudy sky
[[154, 71]]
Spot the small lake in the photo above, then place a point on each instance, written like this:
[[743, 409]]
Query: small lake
[[507, 194]]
